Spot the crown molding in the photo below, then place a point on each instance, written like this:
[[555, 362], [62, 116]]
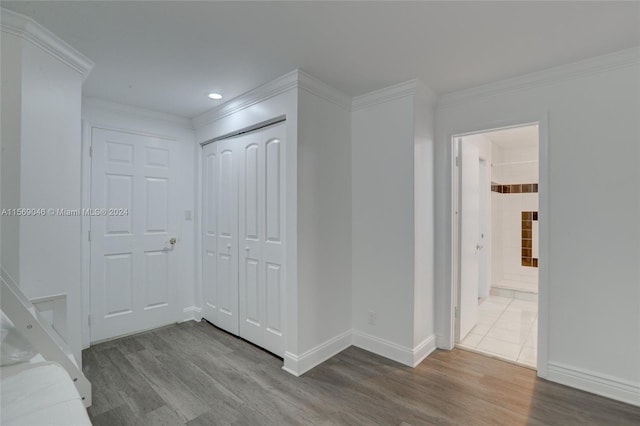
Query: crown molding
[[92, 103], [292, 80], [259, 94], [323, 90], [26, 28], [570, 71], [413, 87]]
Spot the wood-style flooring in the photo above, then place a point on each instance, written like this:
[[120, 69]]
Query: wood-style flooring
[[195, 374]]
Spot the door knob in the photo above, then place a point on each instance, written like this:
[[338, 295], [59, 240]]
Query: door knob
[[247, 248], [173, 240], [478, 247], [228, 246]]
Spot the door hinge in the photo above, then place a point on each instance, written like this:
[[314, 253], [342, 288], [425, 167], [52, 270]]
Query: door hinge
[[90, 150], [89, 235], [456, 311], [457, 161]]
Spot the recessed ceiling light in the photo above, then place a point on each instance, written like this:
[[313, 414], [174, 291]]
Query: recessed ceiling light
[[214, 96]]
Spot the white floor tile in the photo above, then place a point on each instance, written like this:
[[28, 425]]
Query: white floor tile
[[507, 328], [500, 347], [472, 340], [528, 356], [514, 326], [512, 336], [481, 329]]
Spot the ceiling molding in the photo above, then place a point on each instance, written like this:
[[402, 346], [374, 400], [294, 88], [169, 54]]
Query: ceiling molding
[[323, 90], [582, 68], [292, 80], [89, 102], [26, 28], [408, 88], [259, 94]]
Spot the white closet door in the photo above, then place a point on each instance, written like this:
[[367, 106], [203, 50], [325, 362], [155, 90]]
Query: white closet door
[[210, 235], [227, 236], [251, 231], [261, 236], [134, 268]]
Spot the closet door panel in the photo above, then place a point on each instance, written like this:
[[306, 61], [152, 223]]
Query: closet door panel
[[227, 236], [273, 244], [251, 204]]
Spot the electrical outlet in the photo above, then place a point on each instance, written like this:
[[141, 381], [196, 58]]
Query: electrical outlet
[[372, 318]]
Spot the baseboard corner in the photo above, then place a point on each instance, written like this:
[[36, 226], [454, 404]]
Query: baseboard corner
[[300, 364]]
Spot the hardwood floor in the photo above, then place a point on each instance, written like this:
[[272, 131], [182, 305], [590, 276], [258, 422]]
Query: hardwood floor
[[194, 374]]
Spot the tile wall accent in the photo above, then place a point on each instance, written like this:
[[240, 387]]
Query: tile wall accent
[[519, 188], [527, 239]]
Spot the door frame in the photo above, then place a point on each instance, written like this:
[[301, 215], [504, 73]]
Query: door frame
[[543, 201], [85, 226]]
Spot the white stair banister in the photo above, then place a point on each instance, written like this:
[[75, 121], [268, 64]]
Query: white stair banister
[[40, 334]]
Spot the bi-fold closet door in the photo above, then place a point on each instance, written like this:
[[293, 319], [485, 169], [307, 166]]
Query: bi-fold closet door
[[243, 244]]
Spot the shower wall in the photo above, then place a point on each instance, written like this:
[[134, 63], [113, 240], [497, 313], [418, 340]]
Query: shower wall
[[514, 207]]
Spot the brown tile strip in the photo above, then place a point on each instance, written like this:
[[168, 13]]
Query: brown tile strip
[[518, 188], [527, 239]]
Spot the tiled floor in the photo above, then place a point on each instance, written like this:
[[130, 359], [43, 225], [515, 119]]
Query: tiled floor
[[507, 328]]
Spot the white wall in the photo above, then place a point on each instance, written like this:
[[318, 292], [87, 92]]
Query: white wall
[[113, 116], [11, 110], [423, 303], [509, 170], [592, 270], [382, 149], [324, 220], [392, 274], [49, 87]]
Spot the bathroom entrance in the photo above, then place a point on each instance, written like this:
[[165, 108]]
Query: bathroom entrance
[[496, 243]]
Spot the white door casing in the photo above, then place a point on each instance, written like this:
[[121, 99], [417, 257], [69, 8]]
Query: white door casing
[[134, 267], [210, 235], [469, 244]]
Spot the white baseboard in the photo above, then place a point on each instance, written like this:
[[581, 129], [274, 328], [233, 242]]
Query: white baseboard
[[191, 313], [597, 383], [300, 364], [398, 353], [421, 351]]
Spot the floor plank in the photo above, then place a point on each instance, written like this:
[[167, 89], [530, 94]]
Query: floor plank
[[195, 374]]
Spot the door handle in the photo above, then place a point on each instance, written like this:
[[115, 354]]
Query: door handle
[[247, 248], [228, 246], [478, 247], [173, 240]]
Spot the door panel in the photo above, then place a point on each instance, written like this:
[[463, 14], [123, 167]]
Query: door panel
[[251, 191], [263, 249], [226, 217], [469, 230], [134, 269]]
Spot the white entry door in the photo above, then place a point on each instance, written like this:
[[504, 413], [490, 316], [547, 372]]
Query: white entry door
[[469, 232], [261, 238], [134, 265]]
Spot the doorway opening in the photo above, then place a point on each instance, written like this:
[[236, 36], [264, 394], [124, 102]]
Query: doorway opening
[[496, 243]]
